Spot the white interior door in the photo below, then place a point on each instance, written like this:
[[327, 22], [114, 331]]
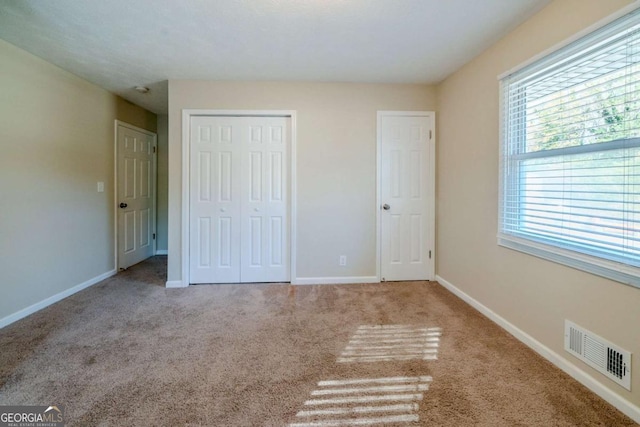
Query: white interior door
[[238, 220], [135, 195], [406, 183]]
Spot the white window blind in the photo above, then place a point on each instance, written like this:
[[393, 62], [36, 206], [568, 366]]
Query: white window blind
[[570, 157]]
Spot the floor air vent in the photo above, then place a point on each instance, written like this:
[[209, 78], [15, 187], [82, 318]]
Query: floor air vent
[[599, 353]]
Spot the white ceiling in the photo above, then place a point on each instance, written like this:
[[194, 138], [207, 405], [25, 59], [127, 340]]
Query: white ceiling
[[120, 44]]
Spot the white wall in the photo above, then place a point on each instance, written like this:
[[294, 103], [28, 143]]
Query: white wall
[[533, 294], [57, 133], [336, 162]]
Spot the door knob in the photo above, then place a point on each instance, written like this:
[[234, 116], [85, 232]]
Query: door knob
[[386, 207], [123, 205]]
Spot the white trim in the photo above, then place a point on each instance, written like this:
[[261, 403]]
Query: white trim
[[596, 147], [432, 197], [186, 166], [186, 144], [162, 252], [293, 196], [53, 299], [115, 186], [176, 284], [431, 190], [334, 280], [572, 370], [116, 123], [378, 190], [601, 23]]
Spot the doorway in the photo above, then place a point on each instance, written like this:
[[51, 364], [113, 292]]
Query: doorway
[[406, 195]]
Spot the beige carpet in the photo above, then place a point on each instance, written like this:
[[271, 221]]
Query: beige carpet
[[130, 352]]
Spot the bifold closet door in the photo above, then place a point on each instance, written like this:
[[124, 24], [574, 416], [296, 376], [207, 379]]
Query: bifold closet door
[[238, 217]]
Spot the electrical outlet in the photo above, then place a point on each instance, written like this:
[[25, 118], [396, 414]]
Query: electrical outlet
[[343, 260]]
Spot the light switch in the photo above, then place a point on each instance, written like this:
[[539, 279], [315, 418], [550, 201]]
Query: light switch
[[100, 187]]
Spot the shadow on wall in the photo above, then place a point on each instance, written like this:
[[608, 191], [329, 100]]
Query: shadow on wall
[[128, 112]]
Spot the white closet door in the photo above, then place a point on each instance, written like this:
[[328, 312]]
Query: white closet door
[[265, 235], [239, 229], [214, 219]]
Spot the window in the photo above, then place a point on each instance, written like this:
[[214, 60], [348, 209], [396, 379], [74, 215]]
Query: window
[[570, 155]]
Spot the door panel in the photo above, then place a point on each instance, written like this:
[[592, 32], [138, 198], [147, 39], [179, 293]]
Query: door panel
[[227, 253], [265, 204], [404, 181], [277, 245], [251, 201], [145, 228], [276, 184], [225, 161], [255, 176], [204, 180], [204, 242], [145, 178], [255, 241], [135, 193], [129, 184], [214, 202], [416, 236], [129, 240]]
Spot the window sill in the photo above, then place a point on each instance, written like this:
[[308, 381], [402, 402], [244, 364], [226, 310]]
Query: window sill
[[604, 268]]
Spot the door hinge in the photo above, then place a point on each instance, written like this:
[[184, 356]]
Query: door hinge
[[154, 147], [429, 254], [154, 238], [430, 136]]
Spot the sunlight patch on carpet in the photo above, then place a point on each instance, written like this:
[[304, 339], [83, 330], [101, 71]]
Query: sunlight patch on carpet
[[364, 401], [384, 343]]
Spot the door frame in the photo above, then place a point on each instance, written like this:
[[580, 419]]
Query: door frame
[[186, 173], [154, 180], [431, 188]]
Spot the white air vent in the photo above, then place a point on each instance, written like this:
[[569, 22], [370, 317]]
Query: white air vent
[[599, 353]]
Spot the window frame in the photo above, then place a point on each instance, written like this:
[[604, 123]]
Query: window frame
[[508, 170]]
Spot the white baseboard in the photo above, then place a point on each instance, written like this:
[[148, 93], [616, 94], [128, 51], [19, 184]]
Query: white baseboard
[[162, 252], [176, 284], [53, 299], [304, 281], [334, 280], [578, 374]]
